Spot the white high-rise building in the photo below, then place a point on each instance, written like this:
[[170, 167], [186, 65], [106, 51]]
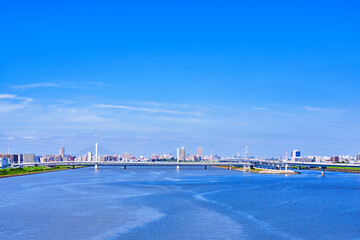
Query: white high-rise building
[[89, 156], [182, 153], [295, 155]]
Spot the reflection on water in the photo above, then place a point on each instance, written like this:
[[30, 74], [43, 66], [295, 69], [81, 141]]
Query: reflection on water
[[162, 203]]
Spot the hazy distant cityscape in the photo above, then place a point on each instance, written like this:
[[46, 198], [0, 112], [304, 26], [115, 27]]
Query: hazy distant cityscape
[[8, 159]]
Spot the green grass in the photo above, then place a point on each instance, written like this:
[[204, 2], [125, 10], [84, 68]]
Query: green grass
[[27, 170], [348, 168]]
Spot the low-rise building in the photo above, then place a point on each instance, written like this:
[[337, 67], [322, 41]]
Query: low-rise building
[[4, 161]]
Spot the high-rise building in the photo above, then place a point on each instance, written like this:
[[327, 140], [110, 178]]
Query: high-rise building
[[154, 156], [357, 158], [62, 151], [199, 152], [295, 155], [89, 156], [126, 156], [28, 158], [182, 153]]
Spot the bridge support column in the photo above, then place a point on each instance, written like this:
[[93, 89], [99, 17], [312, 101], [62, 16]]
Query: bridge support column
[[96, 166], [205, 167], [73, 166], [298, 168], [323, 171], [286, 167], [124, 167], [229, 167], [177, 167]]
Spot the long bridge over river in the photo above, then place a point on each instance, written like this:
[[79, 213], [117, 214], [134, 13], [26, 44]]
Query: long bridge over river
[[258, 163]]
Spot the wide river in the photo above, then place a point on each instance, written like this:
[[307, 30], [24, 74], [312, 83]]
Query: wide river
[[193, 203]]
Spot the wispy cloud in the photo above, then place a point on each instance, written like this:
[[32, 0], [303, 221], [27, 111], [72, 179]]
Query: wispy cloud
[[323, 110], [29, 137], [59, 84], [144, 109], [259, 109], [10, 102], [37, 85]]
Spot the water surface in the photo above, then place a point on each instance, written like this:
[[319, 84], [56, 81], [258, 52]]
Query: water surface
[[162, 203]]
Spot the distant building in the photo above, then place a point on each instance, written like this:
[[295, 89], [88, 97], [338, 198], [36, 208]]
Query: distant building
[[4, 161], [182, 154], [193, 158], [62, 151], [36, 159], [126, 156], [199, 152], [28, 158], [295, 155], [357, 157], [154, 157], [335, 159], [89, 156]]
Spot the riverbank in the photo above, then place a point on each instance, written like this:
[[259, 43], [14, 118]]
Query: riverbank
[[13, 172], [336, 169], [262, 171]]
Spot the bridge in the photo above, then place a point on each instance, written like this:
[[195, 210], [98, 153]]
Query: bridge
[[246, 165]]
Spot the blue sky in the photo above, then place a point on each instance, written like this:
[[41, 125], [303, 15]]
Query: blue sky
[[149, 76]]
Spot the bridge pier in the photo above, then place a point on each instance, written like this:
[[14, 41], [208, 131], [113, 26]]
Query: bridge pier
[[323, 171], [286, 167], [124, 167], [229, 167], [178, 167], [205, 167], [73, 166], [96, 166]]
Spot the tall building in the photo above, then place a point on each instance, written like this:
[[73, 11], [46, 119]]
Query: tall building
[[62, 151], [199, 152], [89, 156], [357, 158], [154, 156], [28, 158], [295, 155], [126, 156], [182, 153]]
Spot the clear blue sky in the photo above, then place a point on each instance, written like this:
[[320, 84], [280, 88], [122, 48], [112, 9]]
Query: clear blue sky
[[149, 76]]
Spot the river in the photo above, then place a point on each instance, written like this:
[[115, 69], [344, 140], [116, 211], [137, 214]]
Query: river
[[193, 203]]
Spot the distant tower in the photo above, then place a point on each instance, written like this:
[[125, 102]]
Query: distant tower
[[199, 152], [246, 153], [177, 154], [96, 152], [89, 155], [182, 153], [211, 156], [62, 151]]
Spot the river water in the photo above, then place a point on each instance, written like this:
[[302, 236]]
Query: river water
[[193, 203]]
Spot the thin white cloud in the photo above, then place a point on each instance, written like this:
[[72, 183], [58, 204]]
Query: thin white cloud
[[10, 102], [143, 109], [29, 137], [59, 84], [259, 109], [37, 85], [324, 110]]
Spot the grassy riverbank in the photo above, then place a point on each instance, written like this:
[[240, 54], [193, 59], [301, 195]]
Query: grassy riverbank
[[9, 172], [336, 169]]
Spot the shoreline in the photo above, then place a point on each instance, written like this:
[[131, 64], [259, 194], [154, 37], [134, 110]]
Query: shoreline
[[263, 171], [35, 172]]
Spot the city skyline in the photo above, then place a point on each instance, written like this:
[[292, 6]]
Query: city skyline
[[145, 79]]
